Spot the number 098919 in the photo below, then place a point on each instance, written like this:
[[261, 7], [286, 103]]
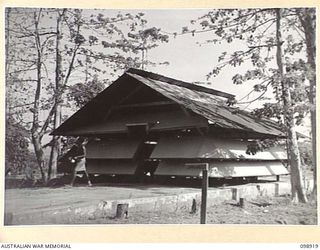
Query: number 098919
[[307, 246]]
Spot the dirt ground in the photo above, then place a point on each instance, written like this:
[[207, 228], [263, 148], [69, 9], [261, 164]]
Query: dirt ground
[[260, 210], [20, 201], [275, 210]]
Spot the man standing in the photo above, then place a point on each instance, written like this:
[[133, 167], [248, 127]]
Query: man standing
[[80, 161]]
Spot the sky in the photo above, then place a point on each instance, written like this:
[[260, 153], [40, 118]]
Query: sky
[[189, 61]]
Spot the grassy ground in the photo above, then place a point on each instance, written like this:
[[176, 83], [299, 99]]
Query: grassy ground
[[261, 210], [20, 201], [59, 206], [271, 210]]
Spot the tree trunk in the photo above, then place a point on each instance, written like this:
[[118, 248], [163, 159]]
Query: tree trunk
[[142, 59], [55, 150], [308, 21], [36, 141], [297, 190], [7, 65], [36, 137]]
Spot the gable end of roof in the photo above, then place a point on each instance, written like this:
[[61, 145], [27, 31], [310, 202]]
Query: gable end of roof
[[180, 83]]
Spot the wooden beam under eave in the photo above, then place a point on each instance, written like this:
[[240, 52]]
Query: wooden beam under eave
[[148, 104]]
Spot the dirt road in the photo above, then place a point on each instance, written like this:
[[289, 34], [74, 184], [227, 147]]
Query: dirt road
[[79, 205]]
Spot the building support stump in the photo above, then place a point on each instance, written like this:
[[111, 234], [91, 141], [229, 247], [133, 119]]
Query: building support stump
[[241, 202], [122, 211], [193, 206], [276, 191]]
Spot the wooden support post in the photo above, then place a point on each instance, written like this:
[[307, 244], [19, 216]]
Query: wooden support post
[[276, 191], [194, 206], [204, 193], [205, 184], [241, 202], [234, 194], [122, 210], [259, 189]]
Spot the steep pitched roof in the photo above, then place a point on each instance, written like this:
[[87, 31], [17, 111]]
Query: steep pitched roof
[[205, 102], [179, 83], [210, 107]]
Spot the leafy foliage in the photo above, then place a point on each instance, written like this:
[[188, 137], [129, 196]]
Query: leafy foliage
[[138, 39], [261, 145], [48, 50], [286, 70], [81, 93], [17, 154], [305, 149], [255, 28]]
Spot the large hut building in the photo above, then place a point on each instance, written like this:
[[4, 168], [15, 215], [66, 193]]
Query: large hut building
[[148, 124]]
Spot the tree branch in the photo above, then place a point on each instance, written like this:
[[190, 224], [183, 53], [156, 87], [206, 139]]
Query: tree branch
[[258, 96], [40, 34], [263, 46], [21, 105], [47, 121], [71, 64], [247, 95]]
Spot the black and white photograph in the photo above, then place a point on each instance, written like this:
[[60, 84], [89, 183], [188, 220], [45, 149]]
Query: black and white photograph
[[160, 116]]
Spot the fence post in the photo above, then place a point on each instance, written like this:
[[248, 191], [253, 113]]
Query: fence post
[[204, 194]]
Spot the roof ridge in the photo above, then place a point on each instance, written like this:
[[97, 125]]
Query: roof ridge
[[180, 83]]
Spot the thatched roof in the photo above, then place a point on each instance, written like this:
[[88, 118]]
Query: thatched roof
[[207, 103]]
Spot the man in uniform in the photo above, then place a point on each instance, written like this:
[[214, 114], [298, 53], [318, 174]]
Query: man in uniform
[[80, 162]]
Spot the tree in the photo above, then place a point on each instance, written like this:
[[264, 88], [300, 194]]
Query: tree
[[75, 23], [44, 48], [294, 155], [307, 17], [53, 162], [139, 39], [82, 93], [34, 44], [29, 31], [261, 30], [17, 154]]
